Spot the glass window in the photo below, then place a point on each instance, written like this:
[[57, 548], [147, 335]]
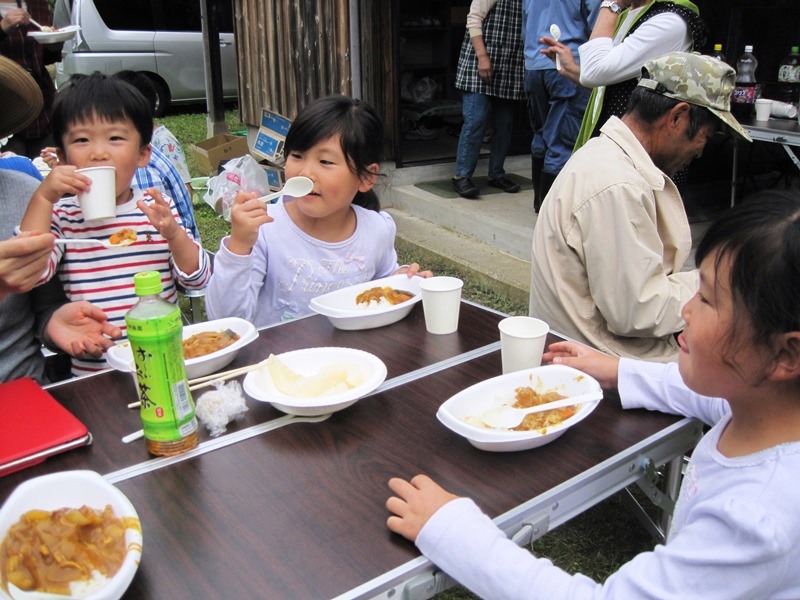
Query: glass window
[[181, 15], [184, 15], [131, 15]]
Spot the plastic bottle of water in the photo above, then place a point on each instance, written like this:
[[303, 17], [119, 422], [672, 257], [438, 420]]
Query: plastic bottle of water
[[718, 53], [789, 76], [746, 91], [154, 331]]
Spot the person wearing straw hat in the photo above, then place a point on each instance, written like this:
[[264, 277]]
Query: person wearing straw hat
[[30, 317], [612, 235], [16, 44]]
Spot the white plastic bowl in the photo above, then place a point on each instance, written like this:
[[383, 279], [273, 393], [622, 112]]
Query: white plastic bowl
[[477, 399], [258, 384], [341, 309], [121, 358], [73, 489]]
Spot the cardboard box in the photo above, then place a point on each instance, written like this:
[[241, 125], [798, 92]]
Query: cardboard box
[[211, 152], [271, 137], [275, 176]]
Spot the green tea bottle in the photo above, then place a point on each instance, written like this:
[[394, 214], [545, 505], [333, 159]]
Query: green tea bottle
[[154, 331]]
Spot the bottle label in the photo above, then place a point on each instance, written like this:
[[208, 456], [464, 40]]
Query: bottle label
[[167, 408], [745, 94], [789, 73]]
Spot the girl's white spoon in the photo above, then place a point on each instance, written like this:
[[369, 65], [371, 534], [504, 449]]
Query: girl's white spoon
[[555, 31], [86, 241], [296, 187], [508, 417]]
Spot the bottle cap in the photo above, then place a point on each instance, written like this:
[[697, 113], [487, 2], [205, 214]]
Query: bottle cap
[[717, 47], [748, 48], [795, 49], [147, 283]]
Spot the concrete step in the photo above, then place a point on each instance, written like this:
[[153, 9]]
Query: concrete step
[[490, 237], [507, 274]]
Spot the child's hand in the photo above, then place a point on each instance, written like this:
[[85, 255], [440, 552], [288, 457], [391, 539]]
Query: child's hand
[[81, 329], [412, 270], [601, 366], [416, 502], [63, 181], [160, 214], [49, 156], [247, 215]]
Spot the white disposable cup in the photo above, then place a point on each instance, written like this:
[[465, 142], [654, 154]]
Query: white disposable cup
[[522, 342], [763, 109], [100, 202], [784, 110], [441, 302]]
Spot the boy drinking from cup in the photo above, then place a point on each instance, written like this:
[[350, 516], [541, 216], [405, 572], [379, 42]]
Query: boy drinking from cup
[[100, 121]]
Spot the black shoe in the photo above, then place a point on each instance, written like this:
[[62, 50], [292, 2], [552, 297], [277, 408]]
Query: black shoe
[[465, 187], [505, 184]]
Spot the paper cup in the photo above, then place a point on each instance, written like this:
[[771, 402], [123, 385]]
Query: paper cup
[[763, 109], [100, 202], [783, 110], [441, 302], [522, 342]]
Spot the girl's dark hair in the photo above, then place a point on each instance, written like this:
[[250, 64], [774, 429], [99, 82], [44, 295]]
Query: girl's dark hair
[[360, 129], [103, 97], [761, 237]]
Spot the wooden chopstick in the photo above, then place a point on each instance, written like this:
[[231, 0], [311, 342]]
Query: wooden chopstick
[[224, 375], [201, 382], [231, 375]]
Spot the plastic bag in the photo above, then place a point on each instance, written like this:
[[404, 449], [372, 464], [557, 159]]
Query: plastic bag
[[217, 408], [424, 90], [242, 173], [417, 91]]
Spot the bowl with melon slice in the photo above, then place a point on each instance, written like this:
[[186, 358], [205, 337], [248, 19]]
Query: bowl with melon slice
[[315, 381]]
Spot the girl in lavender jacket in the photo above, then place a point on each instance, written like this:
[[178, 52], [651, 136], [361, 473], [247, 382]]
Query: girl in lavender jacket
[[273, 264]]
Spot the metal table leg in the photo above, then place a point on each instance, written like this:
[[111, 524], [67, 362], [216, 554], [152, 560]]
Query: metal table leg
[[734, 171]]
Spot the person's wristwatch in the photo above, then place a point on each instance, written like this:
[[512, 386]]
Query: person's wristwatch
[[612, 6]]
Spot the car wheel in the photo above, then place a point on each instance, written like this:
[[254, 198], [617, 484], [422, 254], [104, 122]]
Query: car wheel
[[162, 96]]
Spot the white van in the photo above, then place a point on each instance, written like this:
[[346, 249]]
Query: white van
[[161, 39]]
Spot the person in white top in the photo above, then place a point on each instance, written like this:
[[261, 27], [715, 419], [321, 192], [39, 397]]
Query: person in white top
[[625, 35], [736, 525]]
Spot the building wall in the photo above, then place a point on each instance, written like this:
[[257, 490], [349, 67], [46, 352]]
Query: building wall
[[290, 52], [293, 51]]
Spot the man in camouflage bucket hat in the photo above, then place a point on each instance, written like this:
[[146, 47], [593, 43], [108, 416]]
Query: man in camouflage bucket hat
[[612, 235], [696, 79]]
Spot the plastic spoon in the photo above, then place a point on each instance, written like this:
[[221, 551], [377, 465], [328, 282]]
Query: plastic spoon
[[86, 241], [295, 187], [35, 24], [555, 31], [508, 417], [90, 241]]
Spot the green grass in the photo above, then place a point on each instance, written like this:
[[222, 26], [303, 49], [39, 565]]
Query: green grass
[[595, 543]]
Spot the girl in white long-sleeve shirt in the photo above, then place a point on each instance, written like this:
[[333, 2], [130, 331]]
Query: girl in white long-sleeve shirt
[[272, 265], [736, 525]]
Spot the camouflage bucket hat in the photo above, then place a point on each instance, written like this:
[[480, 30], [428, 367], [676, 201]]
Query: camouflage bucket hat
[[696, 79]]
